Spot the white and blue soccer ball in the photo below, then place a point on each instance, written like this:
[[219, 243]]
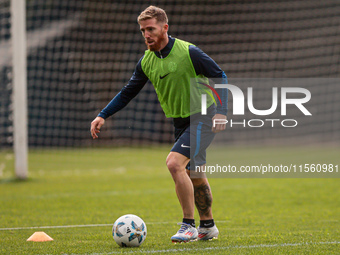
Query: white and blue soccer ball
[[129, 231]]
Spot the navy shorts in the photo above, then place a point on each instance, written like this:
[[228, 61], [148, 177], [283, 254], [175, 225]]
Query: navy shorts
[[194, 140]]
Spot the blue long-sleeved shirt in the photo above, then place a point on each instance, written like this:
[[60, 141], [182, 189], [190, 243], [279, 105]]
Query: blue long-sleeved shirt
[[202, 63]]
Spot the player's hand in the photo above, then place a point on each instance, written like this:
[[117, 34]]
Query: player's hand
[[96, 124], [219, 125]]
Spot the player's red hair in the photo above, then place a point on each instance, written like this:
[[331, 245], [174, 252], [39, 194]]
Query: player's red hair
[[153, 12]]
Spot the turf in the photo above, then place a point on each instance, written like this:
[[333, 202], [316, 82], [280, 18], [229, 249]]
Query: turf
[[76, 195]]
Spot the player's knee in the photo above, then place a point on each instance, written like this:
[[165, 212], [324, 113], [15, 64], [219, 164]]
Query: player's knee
[[200, 180], [173, 165]]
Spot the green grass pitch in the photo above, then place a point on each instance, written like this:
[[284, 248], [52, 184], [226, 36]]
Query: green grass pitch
[[76, 195]]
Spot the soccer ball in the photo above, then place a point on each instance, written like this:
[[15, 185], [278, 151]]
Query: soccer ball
[[129, 231]]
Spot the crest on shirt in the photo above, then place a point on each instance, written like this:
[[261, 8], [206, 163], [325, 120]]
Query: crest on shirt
[[172, 67]]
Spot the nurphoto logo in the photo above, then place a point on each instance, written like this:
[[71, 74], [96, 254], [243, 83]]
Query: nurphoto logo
[[239, 105]]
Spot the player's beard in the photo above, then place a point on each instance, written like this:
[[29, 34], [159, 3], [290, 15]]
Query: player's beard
[[158, 42]]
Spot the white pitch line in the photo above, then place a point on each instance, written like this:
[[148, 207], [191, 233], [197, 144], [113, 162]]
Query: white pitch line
[[142, 251], [88, 225], [51, 227]]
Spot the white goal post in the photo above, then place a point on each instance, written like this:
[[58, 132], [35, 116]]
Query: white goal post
[[18, 40]]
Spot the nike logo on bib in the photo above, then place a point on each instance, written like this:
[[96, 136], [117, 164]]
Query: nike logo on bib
[[162, 77], [184, 146]]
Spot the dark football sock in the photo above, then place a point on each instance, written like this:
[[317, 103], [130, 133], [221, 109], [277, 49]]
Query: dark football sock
[[190, 222], [207, 223]]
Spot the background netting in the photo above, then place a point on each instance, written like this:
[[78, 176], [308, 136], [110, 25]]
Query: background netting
[[82, 52]]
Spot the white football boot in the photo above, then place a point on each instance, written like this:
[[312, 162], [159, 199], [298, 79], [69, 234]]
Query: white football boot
[[207, 233], [185, 234]]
